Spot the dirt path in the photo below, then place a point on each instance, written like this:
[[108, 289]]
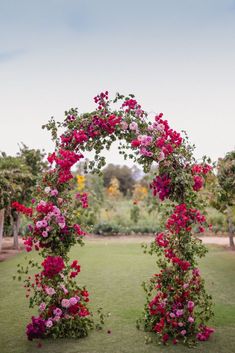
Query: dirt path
[[147, 239], [8, 250]]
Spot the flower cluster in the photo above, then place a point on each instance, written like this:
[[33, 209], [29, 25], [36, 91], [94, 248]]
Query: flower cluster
[[75, 269], [169, 138], [199, 171], [53, 265], [161, 186], [64, 159], [22, 209], [204, 333], [183, 218], [36, 329], [83, 198]]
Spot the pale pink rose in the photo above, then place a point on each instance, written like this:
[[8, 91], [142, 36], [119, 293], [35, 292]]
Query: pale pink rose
[[54, 192], [56, 211], [180, 324], [44, 223], [172, 315], [183, 332], [50, 291], [57, 312], [47, 189], [133, 126], [49, 323], [73, 301], [145, 140], [179, 312], [185, 285], [42, 306], [124, 125], [38, 224], [65, 303], [190, 319]]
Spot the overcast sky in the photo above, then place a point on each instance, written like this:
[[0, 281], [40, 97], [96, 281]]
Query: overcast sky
[[176, 56]]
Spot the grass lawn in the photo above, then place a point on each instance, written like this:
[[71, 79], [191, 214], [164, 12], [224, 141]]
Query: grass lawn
[[113, 272]]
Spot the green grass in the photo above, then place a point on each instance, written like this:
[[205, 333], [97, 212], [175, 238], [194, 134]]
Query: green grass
[[113, 273]]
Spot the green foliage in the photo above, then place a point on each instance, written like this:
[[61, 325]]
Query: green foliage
[[135, 213], [226, 179], [122, 297], [111, 228], [122, 173]]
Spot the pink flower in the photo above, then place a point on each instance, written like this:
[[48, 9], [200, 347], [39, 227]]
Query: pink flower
[[179, 312], [145, 140], [73, 301], [133, 126], [190, 319], [64, 289], [183, 332], [57, 312], [198, 182], [49, 323], [54, 192], [172, 315], [196, 272], [50, 291], [56, 211], [44, 223], [44, 234], [124, 125], [57, 318], [190, 305], [38, 224], [161, 156], [65, 303], [204, 333], [47, 189], [42, 306]]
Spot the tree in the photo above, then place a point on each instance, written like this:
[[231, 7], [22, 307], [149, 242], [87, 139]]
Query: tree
[[18, 177], [123, 174], [15, 181], [226, 191], [114, 188]]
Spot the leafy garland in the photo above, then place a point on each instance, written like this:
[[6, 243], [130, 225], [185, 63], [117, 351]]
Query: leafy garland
[[177, 306]]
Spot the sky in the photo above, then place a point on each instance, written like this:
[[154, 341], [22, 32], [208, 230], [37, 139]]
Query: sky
[[177, 57]]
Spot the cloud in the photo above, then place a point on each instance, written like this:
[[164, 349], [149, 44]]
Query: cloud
[[11, 54]]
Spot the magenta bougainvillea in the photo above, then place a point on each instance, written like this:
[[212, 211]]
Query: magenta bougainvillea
[[177, 307]]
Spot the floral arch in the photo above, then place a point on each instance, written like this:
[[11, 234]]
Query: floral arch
[[177, 305]]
